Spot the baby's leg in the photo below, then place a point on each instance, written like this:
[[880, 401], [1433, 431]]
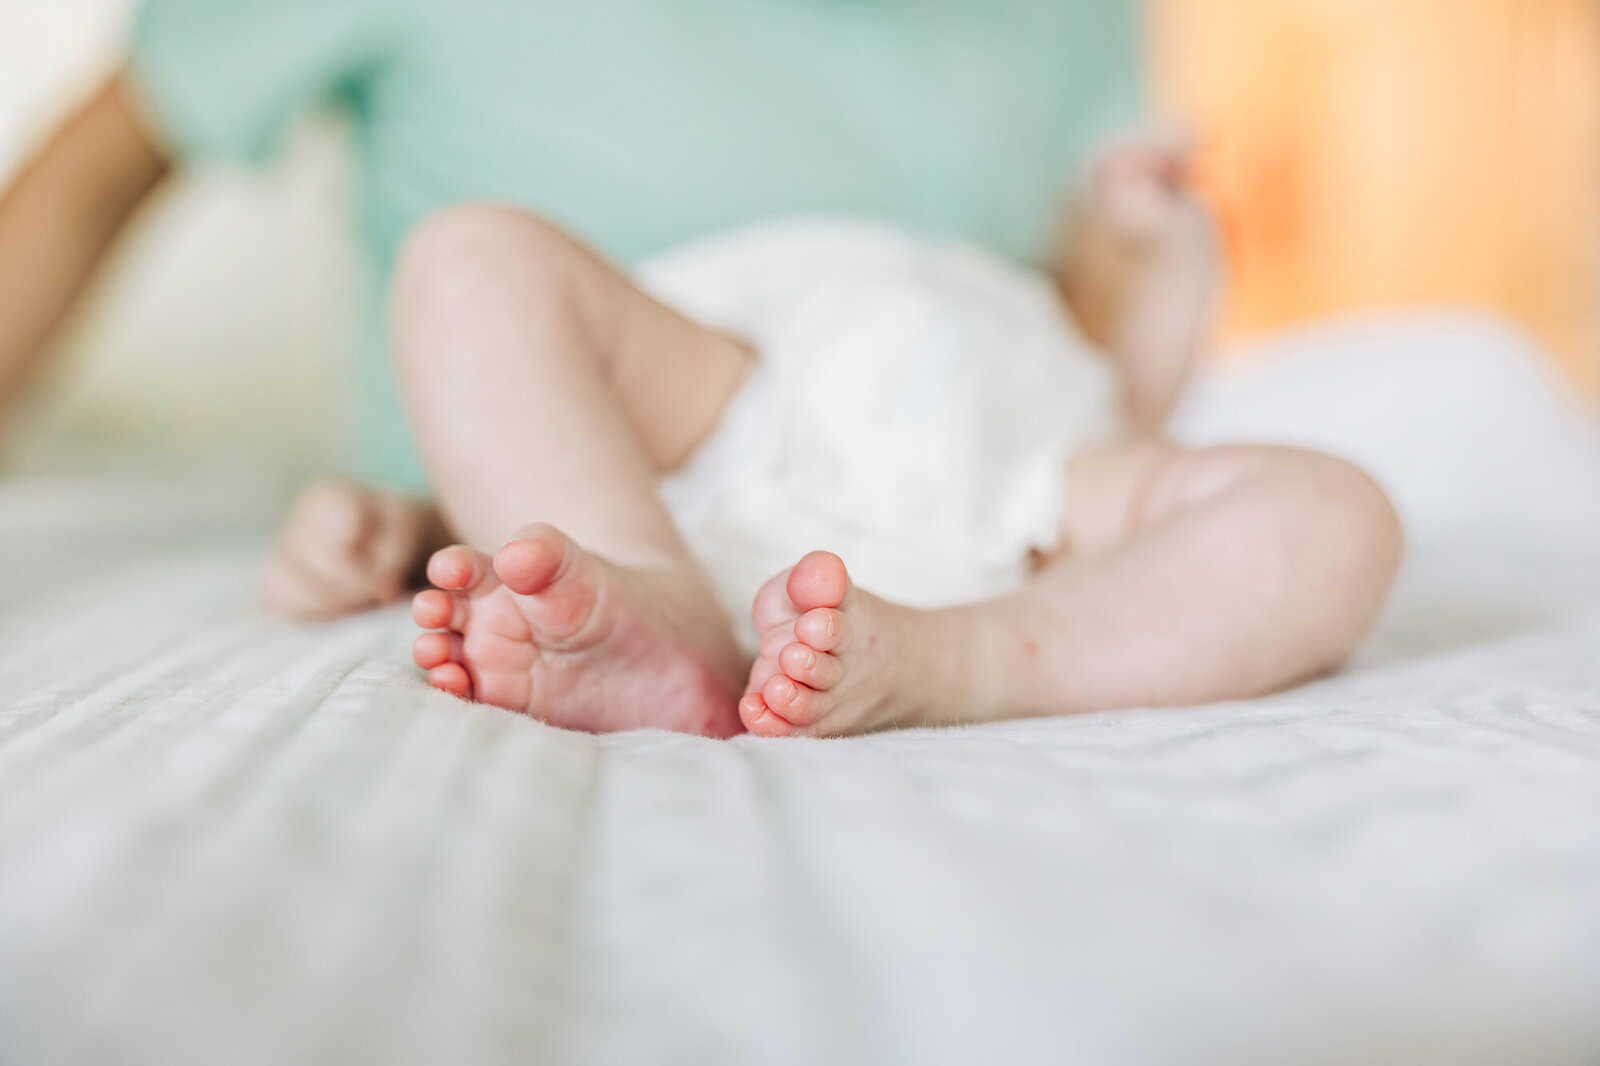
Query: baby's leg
[[545, 388], [1195, 577], [347, 547], [1140, 269]]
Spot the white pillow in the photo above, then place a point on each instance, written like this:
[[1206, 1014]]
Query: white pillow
[[1458, 416]]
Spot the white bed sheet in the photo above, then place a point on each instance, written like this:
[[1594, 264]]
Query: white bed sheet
[[228, 840]]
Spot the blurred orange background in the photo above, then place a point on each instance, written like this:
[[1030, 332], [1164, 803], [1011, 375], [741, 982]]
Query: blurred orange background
[[1382, 154]]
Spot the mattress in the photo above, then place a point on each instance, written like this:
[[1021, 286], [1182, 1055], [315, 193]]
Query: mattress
[[226, 839]]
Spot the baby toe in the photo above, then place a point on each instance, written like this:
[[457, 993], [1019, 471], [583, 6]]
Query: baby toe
[[824, 629], [818, 580], [759, 719], [460, 569], [435, 649], [529, 563], [451, 678], [436, 609], [794, 702], [812, 668]]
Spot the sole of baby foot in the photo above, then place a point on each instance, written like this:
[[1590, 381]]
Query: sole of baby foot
[[837, 661], [550, 630]]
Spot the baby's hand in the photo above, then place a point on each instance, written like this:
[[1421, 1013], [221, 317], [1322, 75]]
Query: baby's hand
[[1134, 184], [1140, 267], [347, 548]]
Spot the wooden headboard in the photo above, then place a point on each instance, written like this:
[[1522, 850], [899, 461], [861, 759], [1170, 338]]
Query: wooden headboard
[[1373, 154]]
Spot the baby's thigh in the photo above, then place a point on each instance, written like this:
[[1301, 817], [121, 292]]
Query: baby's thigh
[[1122, 488]]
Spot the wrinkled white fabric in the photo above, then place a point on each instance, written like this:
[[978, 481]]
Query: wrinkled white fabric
[[913, 408], [228, 840]]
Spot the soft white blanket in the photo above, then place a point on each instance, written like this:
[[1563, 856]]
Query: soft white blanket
[[224, 840]]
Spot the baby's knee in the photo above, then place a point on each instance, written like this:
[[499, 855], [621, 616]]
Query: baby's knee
[[1356, 500], [460, 262], [478, 230], [1336, 517], [1318, 508]]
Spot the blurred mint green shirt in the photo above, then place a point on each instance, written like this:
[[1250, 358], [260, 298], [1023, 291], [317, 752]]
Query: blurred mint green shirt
[[642, 123]]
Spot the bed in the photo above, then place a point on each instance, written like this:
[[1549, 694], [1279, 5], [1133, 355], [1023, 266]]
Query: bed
[[224, 839]]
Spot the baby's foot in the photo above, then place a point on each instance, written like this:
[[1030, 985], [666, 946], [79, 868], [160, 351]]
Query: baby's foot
[[548, 629], [835, 660], [347, 547]]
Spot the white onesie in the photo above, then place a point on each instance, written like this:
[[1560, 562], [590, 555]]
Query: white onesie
[[913, 409]]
